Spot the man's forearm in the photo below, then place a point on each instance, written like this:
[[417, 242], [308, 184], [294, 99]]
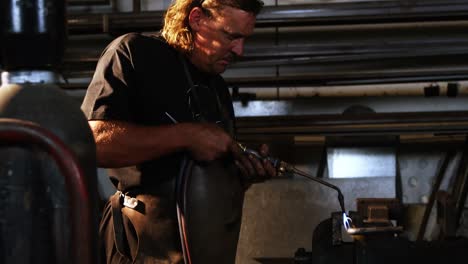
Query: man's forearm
[[120, 144]]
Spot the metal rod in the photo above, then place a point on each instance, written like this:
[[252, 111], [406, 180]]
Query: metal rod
[[432, 197], [460, 185], [136, 6]]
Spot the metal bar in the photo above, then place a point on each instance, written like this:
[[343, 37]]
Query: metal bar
[[445, 215], [88, 2], [370, 124], [322, 163], [435, 188], [136, 6], [118, 22], [460, 186], [346, 79], [361, 12], [347, 51]]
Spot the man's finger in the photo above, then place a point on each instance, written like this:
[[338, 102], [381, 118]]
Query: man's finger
[[264, 150], [248, 166], [258, 165], [242, 169], [270, 170]]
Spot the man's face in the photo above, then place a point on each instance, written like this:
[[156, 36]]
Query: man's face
[[219, 39]]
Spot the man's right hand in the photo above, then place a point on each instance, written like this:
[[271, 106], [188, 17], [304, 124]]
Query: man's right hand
[[206, 142]]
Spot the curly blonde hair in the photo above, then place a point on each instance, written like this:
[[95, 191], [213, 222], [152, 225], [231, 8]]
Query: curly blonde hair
[[176, 30]]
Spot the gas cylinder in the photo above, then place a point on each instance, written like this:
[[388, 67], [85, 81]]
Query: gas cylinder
[[35, 207]]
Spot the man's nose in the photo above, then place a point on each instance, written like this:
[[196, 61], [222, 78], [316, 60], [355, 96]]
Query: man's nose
[[238, 47]]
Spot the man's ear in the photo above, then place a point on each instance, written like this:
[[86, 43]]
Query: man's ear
[[195, 17]]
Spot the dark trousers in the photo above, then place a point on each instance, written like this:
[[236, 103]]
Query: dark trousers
[[146, 234]]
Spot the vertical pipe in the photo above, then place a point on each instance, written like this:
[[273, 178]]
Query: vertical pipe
[[32, 34], [136, 6]]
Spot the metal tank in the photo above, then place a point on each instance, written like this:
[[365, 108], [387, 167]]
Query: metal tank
[[48, 190]]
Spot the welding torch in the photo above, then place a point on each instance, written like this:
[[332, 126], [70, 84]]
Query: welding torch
[[282, 167]]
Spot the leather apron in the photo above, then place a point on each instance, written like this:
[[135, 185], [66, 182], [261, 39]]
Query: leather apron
[[209, 195]]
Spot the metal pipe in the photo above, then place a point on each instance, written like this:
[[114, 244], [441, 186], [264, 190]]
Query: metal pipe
[[399, 89], [324, 77], [460, 186], [32, 23], [369, 124], [361, 12], [136, 6], [117, 22], [19, 132], [87, 2], [435, 188]]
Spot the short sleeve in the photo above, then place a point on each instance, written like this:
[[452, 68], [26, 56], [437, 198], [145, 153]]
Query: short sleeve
[[109, 94]]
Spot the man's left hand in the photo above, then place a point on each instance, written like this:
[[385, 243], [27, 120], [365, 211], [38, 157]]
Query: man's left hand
[[253, 169]]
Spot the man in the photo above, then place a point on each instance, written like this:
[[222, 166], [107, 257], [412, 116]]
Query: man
[[154, 101]]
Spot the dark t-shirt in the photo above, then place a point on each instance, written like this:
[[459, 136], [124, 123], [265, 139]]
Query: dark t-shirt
[[138, 79]]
